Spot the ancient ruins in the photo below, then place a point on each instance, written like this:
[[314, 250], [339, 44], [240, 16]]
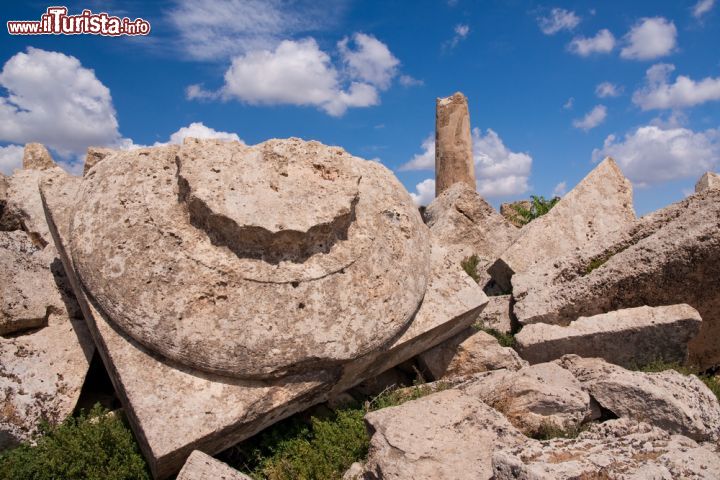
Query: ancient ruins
[[226, 287]]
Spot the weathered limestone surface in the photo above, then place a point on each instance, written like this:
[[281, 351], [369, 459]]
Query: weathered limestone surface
[[175, 409], [27, 289], [708, 181], [665, 258], [450, 434], [510, 211], [616, 449], [467, 225], [454, 160], [676, 403], [41, 375], [95, 155], [496, 314], [200, 466], [467, 353], [335, 267], [631, 337], [597, 208], [535, 397], [36, 157]]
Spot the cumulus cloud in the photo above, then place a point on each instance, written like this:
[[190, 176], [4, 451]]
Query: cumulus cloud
[[607, 89], [658, 93], [220, 29], [560, 189], [653, 154], [602, 42], [592, 119], [10, 158], [300, 73], [558, 20], [52, 99], [650, 38], [499, 171], [461, 32], [702, 7], [424, 192], [199, 130]]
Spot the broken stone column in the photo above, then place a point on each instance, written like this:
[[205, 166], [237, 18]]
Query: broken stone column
[[453, 143], [708, 181]]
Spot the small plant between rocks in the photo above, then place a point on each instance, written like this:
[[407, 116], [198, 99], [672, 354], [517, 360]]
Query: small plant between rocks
[[470, 265], [710, 379], [504, 339], [539, 206]]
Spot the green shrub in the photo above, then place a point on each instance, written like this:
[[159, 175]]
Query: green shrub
[[539, 206], [504, 339], [96, 446], [547, 430], [470, 265]]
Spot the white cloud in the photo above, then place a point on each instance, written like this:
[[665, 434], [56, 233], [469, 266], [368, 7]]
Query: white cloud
[[602, 42], [499, 171], [371, 61], [424, 192], [461, 32], [295, 73], [650, 38], [559, 19], [607, 89], [560, 189], [684, 92], [424, 160], [592, 119], [702, 7], [408, 81], [569, 104], [52, 99], [652, 154], [220, 29], [10, 158], [199, 130]]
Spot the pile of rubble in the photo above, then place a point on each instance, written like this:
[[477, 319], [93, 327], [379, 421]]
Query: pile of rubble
[[226, 287]]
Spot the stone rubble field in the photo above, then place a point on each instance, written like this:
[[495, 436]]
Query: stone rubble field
[[224, 287]]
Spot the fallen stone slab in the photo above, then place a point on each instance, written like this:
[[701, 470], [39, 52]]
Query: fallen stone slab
[[467, 225], [175, 408], [615, 449], [471, 351], [677, 403], [708, 181], [598, 207], [497, 314], [631, 337], [449, 434], [454, 161], [200, 466], [667, 257], [536, 399]]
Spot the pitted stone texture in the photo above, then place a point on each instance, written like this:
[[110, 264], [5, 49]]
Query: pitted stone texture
[[41, 375], [36, 157], [177, 290], [467, 225], [676, 403], [668, 257], [598, 207], [630, 338], [496, 314], [535, 397], [450, 434], [708, 181], [28, 293], [174, 410], [95, 155], [454, 160], [467, 353], [617, 449], [200, 466]]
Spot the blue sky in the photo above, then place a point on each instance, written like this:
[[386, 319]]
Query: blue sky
[[552, 86]]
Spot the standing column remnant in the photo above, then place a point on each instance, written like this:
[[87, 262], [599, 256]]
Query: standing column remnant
[[453, 143]]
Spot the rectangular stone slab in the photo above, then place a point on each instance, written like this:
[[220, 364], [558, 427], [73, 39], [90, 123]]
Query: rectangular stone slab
[[174, 410]]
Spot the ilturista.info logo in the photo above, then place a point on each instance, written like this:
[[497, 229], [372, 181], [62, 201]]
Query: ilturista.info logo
[[56, 21]]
